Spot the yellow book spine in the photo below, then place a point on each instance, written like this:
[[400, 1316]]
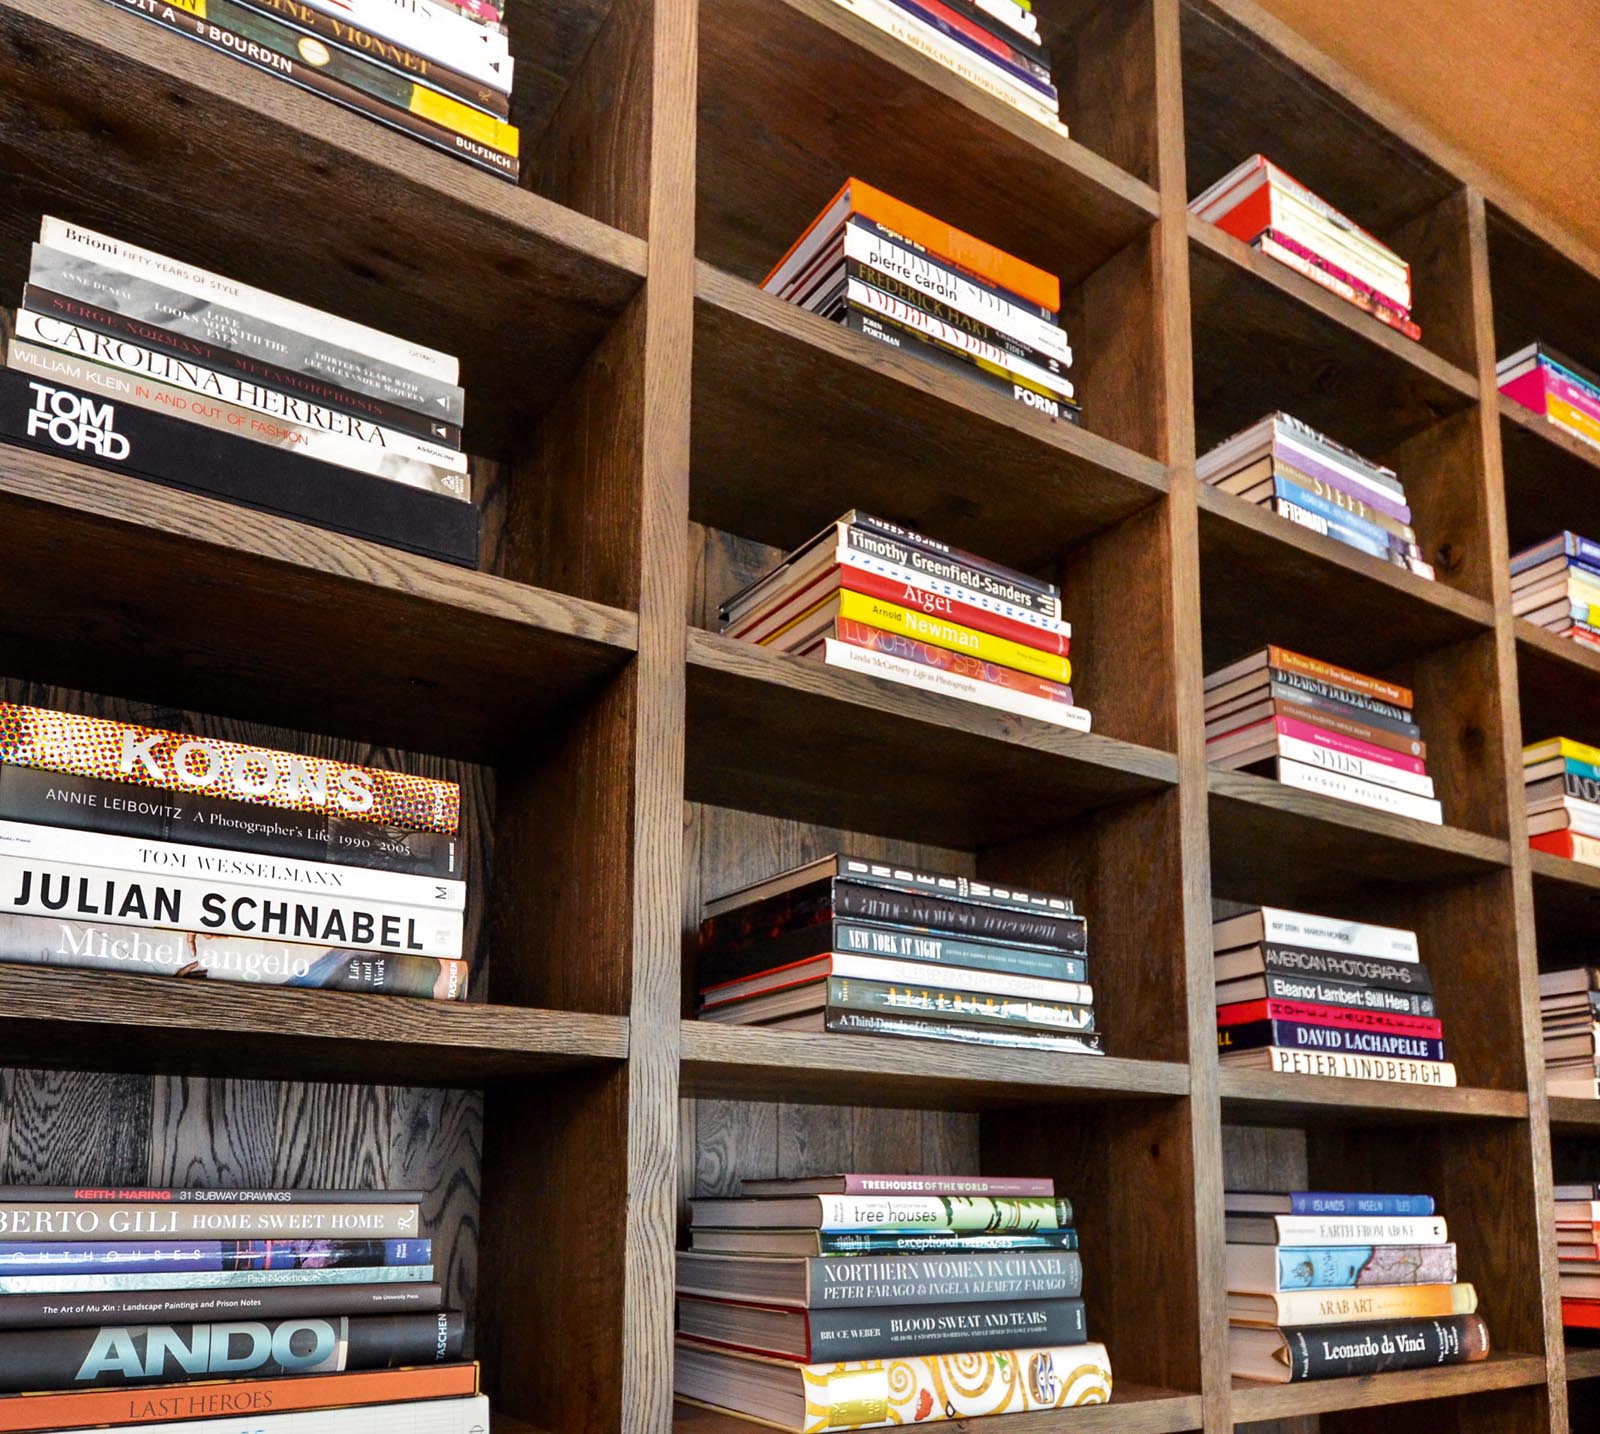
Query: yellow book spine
[[453, 114], [1375, 1302], [1561, 747], [985, 646], [1560, 411]]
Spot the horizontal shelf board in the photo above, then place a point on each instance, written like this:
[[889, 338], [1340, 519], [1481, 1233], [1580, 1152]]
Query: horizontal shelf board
[[1549, 867], [1558, 684], [773, 733], [1253, 1401], [119, 585], [1266, 338], [868, 105], [1267, 1098], [1582, 1362], [1264, 578], [1134, 1409], [1552, 479], [1318, 843], [750, 1063], [843, 420], [520, 288], [1572, 1115], [92, 1020]]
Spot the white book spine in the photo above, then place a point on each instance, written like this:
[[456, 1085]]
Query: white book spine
[[854, 558], [951, 684], [155, 857], [129, 1282], [432, 1416], [147, 393], [1282, 439], [954, 978], [1302, 224], [864, 296], [938, 282], [192, 377], [1351, 789], [432, 30], [1319, 208], [32, 887], [992, 80], [130, 259], [1312, 1230], [1344, 764], [1351, 938], [1341, 1065]]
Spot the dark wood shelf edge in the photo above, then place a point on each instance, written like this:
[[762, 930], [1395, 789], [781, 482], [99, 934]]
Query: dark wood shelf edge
[[1251, 1097], [1540, 427], [1583, 1362], [1253, 1401], [1547, 866], [1559, 649], [1573, 1115]]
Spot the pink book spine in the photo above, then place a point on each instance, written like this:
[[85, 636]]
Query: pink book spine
[[1327, 265], [1007, 1185], [1581, 398], [1350, 746]]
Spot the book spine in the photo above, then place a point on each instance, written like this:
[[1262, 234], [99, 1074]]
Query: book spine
[[229, 1281], [1298, 682], [97, 1357], [1246, 1011], [86, 244], [938, 1329], [484, 82], [866, 1023], [193, 377], [1332, 721], [190, 1257], [1347, 1230], [1300, 1035], [38, 299], [1283, 660], [1351, 295], [1287, 427], [900, 973], [334, 454], [848, 993], [950, 336], [1340, 518], [46, 1311], [1301, 931], [1359, 1349], [1045, 313], [178, 17], [1286, 695], [934, 604], [924, 654], [428, 29], [198, 1195], [929, 1388], [939, 1242], [213, 320], [176, 761], [873, 246], [36, 1221], [1340, 1065], [86, 846], [943, 1279], [936, 950], [1323, 991], [980, 48], [855, 898], [1340, 532], [33, 887], [1377, 1302], [888, 616], [942, 1212], [1574, 420], [1569, 844], [1321, 1202], [1378, 288], [1309, 778], [1570, 390], [1313, 745], [915, 882], [865, 539], [89, 803], [1343, 1267], [449, 1416], [896, 336], [1344, 498], [1040, 624], [1284, 186], [1384, 494], [1026, 1185]]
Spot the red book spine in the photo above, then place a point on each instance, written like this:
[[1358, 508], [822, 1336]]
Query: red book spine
[[924, 600], [1240, 1012]]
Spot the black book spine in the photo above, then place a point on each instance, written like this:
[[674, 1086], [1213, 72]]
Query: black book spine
[[1370, 970], [1340, 1350], [1322, 991], [94, 1357], [96, 428], [132, 1307], [59, 799], [944, 1329], [1341, 695], [901, 908], [1304, 1036], [377, 411]]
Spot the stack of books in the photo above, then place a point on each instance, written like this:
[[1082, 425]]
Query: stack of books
[[1320, 728], [908, 280], [1555, 584], [1577, 1217], [1545, 382], [1290, 469], [1327, 999], [869, 948], [1262, 206], [1323, 1286], [870, 596], [126, 359], [128, 848], [437, 70], [106, 1291], [1561, 782], [993, 44], [1569, 1012], [853, 1301]]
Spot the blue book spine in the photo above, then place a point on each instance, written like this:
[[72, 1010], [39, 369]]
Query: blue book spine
[[186, 1257], [1584, 552], [1319, 1202], [1340, 532], [1298, 1035], [1343, 517]]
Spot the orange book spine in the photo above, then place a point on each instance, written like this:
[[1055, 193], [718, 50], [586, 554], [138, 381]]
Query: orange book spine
[[221, 1399], [1281, 657]]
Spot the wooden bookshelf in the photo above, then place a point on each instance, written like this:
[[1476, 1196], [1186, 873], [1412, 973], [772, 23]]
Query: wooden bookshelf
[[652, 428]]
